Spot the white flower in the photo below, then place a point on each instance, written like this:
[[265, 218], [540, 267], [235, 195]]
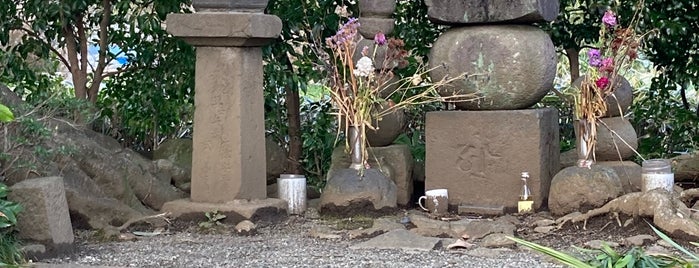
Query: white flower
[[416, 79], [364, 67]]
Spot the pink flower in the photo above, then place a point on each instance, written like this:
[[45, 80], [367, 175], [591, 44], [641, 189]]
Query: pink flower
[[380, 39], [609, 18], [602, 83], [607, 65]]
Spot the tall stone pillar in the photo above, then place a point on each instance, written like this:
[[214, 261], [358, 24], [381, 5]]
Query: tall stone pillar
[[228, 158]]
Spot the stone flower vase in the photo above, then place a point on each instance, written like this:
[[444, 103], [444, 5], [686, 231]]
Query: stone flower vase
[[355, 139]]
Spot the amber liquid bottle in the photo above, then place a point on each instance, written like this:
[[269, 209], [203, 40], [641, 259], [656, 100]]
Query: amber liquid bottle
[[525, 196]]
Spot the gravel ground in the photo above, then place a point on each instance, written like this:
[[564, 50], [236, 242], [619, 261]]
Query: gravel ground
[[281, 245]]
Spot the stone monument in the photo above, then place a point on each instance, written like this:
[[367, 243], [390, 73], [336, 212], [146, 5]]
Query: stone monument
[[478, 152], [228, 154]]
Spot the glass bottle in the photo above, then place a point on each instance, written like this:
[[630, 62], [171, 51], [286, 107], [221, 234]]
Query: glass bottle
[[526, 202], [525, 194]]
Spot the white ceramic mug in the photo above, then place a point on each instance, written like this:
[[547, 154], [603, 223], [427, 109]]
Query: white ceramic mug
[[436, 201]]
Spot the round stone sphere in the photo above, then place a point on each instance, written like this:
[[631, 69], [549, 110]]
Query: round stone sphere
[[622, 142], [620, 100], [509, 66]]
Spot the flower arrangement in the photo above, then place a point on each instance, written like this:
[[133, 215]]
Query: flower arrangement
[[357, 86], [616, 48]]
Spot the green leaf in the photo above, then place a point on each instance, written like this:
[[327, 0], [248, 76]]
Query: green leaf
[[562, 257], [673, 243], [5, 114]]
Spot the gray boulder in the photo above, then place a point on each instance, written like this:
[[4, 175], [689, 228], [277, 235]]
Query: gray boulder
[[581, 189], [394, 161], [348, 193]]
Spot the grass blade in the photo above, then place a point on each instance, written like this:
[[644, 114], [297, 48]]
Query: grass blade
[[560, 256], [673, 243]]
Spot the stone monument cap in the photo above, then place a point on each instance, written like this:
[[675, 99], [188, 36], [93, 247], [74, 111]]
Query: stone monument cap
[[254, 6], [217, 29]]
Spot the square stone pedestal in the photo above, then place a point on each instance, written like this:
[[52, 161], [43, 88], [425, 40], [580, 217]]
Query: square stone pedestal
[[479, 156], [269, 210]]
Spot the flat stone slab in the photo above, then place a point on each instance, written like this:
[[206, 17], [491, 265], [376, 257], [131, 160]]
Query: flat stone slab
[[224, 29], [459, 12], [400, 239], [258, 210]]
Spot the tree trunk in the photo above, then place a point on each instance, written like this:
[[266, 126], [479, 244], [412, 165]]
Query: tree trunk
[[293, 110], [572, 54], [293, 113]]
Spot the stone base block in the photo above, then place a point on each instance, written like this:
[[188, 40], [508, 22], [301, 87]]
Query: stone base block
[[268, 210], [44, 218], [479, 155], [394, 161]]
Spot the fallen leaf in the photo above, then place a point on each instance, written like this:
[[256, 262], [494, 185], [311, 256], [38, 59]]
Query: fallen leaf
[[460, 244]]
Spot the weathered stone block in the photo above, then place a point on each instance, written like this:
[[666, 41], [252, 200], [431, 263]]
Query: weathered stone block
[[479, 155], [394, 161], [45, 218], [228, 154], [490, 11], [509, 66], [224, 29]]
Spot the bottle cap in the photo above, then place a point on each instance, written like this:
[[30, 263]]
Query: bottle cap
[[525, 174]]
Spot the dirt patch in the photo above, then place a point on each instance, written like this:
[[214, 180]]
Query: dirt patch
[[576, 234]]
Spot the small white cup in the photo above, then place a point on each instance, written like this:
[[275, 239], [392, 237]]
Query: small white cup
[[436, 201]]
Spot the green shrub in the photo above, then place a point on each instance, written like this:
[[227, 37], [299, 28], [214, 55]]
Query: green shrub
[[10, 254]]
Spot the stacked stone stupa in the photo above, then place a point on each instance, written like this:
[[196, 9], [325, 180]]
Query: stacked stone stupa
[[478, 151]]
